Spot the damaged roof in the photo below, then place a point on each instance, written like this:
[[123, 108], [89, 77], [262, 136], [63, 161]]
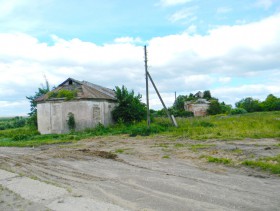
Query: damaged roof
[[82, 89]]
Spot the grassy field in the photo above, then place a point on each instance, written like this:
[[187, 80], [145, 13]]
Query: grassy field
[[252, 125], [219, 128]]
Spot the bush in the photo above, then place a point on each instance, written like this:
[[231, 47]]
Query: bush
[[71, 121], [129, 109], [181, 113], [63, 93], [236, 111]]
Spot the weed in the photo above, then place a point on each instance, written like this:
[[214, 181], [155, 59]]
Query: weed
[[195, 147], [179, 145], [119, 151], [237, 151], [271, 164], [235, 127], [225, 161], [166, 156]]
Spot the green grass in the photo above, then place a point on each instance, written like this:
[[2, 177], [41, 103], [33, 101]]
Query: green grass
[[252, 125], [225, 161], [195, 147], [271, 164], [120, 151]]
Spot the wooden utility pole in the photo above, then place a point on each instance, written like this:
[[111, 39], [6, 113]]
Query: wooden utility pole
[[171, 117], [148, 76], [147, 87]]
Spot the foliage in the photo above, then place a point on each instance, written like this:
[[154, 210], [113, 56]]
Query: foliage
[[249, 104], [214, 108], [130, 108], [33, 104], [179, 103], [271, 164], [236, 111], [63, 93], [271, 103], [207, 95], [71, 121], [225, 109], [251, 125], [16, 122], [225, 161], [181, 113]]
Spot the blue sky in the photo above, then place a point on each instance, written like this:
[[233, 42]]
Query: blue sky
[[229, 47]]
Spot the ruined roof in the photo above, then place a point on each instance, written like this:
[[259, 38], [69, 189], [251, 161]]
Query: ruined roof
[[82, 90], [198, 101]]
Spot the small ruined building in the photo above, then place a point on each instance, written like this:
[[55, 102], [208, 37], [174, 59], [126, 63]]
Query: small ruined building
[[199, 106], [88, 104]]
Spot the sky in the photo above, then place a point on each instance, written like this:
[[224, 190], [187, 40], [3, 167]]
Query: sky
[[231, 48]]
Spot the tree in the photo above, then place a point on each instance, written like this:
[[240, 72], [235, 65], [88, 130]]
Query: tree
[[271, 103], [249, 104], [33, 104], [214, 108], [179, 103], [226, 109], [207, 95], [130, 108]]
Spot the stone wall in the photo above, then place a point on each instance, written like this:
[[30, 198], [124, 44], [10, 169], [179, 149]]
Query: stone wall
[[197, 109], [53, 115]]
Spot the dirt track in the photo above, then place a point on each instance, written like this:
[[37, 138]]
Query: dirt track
[[139, 178]]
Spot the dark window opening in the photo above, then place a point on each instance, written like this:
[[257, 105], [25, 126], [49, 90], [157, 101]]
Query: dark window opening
[[70, 82]]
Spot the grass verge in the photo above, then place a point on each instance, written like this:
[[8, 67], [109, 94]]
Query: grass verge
[[270, 164]]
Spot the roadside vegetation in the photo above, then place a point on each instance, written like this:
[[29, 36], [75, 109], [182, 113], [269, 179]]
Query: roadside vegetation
[[250, 119], [221, 127]]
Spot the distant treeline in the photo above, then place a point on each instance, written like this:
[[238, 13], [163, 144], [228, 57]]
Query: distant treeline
[[9, 123], [248, 104]]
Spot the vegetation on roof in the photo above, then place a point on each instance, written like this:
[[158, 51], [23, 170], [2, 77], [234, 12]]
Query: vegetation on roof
[[63, 93]]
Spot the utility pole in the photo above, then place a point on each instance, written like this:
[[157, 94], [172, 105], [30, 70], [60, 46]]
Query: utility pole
[[171, 117], [147, 87]]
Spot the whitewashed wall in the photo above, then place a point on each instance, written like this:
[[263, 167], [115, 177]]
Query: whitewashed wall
[[53, 115]]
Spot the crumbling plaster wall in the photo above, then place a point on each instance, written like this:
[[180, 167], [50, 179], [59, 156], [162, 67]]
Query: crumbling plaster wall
[[53, 115], [197, 109]]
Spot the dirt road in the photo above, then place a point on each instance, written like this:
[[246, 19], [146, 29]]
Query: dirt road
[[147, 174]]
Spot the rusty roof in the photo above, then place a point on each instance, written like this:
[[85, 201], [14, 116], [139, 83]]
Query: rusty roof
[[83, 89]]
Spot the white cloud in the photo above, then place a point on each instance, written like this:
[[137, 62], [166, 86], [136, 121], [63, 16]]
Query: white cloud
[[198, 82], [222, 10], [168, 3], [233, 94], [191, 29], [266, 4], [184, 14], [128, 40], [184, 62], [224, 79]]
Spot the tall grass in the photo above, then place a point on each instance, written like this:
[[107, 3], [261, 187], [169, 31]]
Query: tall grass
[[252, 125]]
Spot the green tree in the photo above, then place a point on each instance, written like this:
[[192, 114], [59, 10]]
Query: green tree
[[226, 109], [214, 108], [33, 104], [179, 103], [271, 103], [207, 95], [130, 108], [249, 104]]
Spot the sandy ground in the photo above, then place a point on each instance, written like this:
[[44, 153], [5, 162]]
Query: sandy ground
[[153, 173]]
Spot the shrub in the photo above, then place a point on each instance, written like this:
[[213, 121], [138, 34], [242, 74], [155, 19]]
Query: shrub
[[129, 109], [63, 93], [71, 121], [236, 111]]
